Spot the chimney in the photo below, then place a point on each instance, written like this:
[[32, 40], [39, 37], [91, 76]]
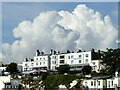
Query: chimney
[[32, 59], [51, 51], [26, 59], [37, 53]]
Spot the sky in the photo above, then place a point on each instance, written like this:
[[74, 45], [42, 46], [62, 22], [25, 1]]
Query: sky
[[28, 26]]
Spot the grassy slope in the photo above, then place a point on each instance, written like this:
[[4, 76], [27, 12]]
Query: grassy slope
[[52, 81]]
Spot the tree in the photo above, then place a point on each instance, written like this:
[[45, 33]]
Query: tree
[[111, 59], [96, 55], [63, 69], [86, 70], [12, 68]]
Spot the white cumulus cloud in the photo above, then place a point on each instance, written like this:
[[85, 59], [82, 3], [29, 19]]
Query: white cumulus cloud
[[83, 28]]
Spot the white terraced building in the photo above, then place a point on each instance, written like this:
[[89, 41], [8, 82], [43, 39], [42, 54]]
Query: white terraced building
[[103, 82], [51, 61], [72, 59]]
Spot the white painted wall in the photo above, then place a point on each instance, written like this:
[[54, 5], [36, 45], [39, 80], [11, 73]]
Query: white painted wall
[[117, 81], [41, 61], [69, 58], [2, 68], [95, 64], [75, 57], [91, 83], [110, 83], [4, 79], [54, 62]]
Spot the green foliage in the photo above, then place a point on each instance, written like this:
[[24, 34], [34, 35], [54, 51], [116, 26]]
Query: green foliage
[[96, 55], [94, 73], [12, 68], [52, 81], [86, 70], [111, 58], [44, 76], [63, 69]]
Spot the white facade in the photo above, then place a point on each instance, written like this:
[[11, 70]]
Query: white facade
[[27, 65], [38, 61], [116, 82], [41, 61], [78, 58], [72, 59], [51, 61], [94, 83], [54, 62], [4, 79], [110, 83], [96, 65], [102, 83]]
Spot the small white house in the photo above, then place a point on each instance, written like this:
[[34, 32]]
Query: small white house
[[3, 80], [102, 82], [94, 83]]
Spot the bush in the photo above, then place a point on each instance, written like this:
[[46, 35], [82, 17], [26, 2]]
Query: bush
[[63, 69], [86, 70], [44, 76], [52, 81]]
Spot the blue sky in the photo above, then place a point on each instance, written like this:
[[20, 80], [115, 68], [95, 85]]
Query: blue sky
[[15, 12], [82, 34]]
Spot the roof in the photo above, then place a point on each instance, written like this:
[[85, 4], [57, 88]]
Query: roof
[[101, 77]]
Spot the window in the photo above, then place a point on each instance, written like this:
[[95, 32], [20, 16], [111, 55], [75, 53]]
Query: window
[[25, 64], [68, 57], [43, 62], [40, 58], [37, 64], [44, 58], [72, 56], [55, 57], [86, 55], [36, 58], [112, 83], [32, 64], [61, 61], [71, 61], [24, 69], [53, 67], [98, 83], [109, 84], [53, 62], [79, 56], [40, 63], [86, 60], [61, 56], [91, 83], [79, 61], [94, 83], [52, 57]]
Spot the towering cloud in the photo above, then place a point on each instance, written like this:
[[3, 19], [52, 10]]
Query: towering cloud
[[83, 28]]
